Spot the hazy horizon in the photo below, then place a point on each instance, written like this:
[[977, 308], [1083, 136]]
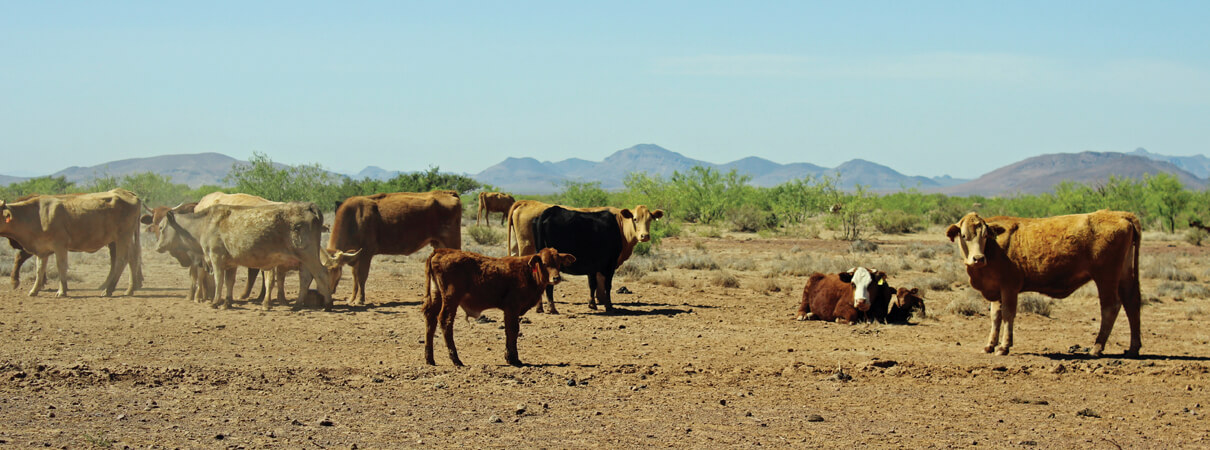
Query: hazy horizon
[[940, 88]]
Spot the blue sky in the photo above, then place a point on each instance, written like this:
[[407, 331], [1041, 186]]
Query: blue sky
[[928, 88]]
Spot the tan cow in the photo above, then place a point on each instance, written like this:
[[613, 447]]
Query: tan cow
[[264, 237], [490, 202], [1005, 256], [391, 224], [54, 225], [242, 199], [22, 255], [635, 229], [187, 253]]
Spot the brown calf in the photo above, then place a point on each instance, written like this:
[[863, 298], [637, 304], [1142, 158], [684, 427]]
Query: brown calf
[[475, 282], [845, 297], [907, 301]]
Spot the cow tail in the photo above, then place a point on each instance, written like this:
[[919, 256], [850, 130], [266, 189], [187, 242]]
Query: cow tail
[[508, 240], [428, 279], [1135, 289]]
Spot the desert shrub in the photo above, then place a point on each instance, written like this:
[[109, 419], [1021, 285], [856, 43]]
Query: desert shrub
[[863, 246], [895, 222], [1034, 304], [696, 262], [1194, 311], [925, 251], [968, 305], [1196, 291], [1195, 236], [661, 279], [1166, 268], [485, 235], [722, 278], [660, 229], [807, 230], [749, 218], [742, 265], [766, 285], [587, 194], [638, 267], [1180, 291], [709, 232], [934, 283]]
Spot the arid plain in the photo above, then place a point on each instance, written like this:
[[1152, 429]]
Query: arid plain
[[704, 351]]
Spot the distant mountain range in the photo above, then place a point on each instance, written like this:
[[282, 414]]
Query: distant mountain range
[[1041, 173], [530, 176]]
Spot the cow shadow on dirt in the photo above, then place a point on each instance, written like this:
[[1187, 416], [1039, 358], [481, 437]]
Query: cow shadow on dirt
[[1063, 356], [666, 312], [380, 308], [639, 303]]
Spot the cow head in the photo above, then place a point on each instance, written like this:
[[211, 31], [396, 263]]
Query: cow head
[[334, 261], [547, 264], [641, 219], [171, 235], [909, 299], [974, 232], [866, 283]]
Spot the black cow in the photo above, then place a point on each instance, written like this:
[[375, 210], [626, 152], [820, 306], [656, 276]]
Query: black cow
[[594, 238]]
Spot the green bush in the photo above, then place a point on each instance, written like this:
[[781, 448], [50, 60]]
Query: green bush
[[749, 218], [895, 222], [485, 235]]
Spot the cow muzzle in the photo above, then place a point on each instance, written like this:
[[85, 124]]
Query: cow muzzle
[[556, 279], [644, 237], [862, 304], [976, 261]]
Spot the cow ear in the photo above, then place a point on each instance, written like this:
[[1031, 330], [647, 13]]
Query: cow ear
[[996, 229], [145, 219], [657, 213], [952, 232], [535, 259], [626, 213], [915, 291], [846, 277], [566, 259]]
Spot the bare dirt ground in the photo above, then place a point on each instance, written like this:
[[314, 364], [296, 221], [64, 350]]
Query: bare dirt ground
[[690, 360]]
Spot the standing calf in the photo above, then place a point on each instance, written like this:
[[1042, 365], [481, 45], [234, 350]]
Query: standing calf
[[476, 282]]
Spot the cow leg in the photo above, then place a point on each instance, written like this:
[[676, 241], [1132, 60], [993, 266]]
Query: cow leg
[[230, 280], [448, 311], [592, 291], [1132, 302], [61, 263], [550, 298], [252, 272], [18, 260], [279, 281], [361, 271], [193, 282], [994, 338], [605, 284], [503, 215], [119, 254], [1008, 308], [431, 308], [312, 268], [1110, 305], [220, 279], [39, 275], [512, 328]]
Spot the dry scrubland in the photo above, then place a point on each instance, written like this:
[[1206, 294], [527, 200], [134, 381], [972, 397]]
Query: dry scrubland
[[704, 352]]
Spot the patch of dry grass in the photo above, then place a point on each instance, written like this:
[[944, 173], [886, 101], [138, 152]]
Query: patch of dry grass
[[1035, 304], [696, 262], [767, 286], [638, 267], [971, 304], [722, 278], [661, 279]]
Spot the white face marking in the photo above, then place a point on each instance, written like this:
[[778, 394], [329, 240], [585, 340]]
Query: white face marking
[[862, 282]]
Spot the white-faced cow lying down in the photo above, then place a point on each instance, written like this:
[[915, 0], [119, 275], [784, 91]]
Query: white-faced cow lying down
[[399, 223], [264, 237], [1054, 256], [847, 297], [475, 282], [56, 224]]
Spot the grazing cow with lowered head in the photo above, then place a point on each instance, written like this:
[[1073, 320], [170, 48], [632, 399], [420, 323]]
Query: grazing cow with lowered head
[[264, 237], [907, 301], [391, 224], [475, 282], [594, 239], [54, 225], [490, 202], [847, 297], [1005, 256], [187, 253]]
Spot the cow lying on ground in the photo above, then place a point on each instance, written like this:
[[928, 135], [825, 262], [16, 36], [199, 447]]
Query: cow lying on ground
[[847, 297], [907, 301], [390, 224], [264, 237], [594, 239], [48, 225], [490, 202], [475, 283], [1005, 256]]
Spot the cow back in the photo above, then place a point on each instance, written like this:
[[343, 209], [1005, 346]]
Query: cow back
[[592, 237], [397, 223]]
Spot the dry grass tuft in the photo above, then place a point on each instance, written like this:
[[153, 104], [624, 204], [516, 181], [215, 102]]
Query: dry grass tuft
[[971, 304], [485, 235], [767, 286], [722, 278], [1035, 304], [696, 262], [638, 267], [661, 279], [742, 265]]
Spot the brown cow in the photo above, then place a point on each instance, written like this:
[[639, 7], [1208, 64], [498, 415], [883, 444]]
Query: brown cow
[[1005, 256], [846, 297], [907, 301], [475, 283], [54, 225], [391, 224], [635, 229], [490, 202]]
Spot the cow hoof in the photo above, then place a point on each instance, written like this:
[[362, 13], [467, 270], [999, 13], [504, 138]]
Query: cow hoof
[[1097, 349], [515, 362], [990, 348], [592, 306], [1001, 351], [63, 294]]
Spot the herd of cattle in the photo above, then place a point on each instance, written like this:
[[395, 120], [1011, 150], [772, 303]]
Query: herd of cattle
[[220, 233]]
